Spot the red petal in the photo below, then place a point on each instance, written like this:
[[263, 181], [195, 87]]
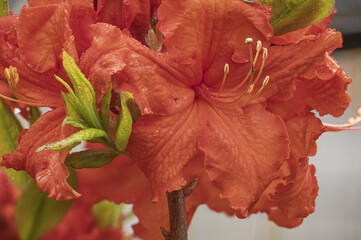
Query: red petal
[[134, 15], [119, 181], [43, 32], [324, 88], [303, 132], [244, 150], [297, 197], [81, 17], [78, 221], [8, 195], [42, 88], [204, 35], [286, 63], [46, 167]]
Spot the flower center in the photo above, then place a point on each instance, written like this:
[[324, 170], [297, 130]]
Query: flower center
[[247, 89]]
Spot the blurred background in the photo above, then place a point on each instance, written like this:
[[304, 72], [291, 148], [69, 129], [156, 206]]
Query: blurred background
[[338, 164]]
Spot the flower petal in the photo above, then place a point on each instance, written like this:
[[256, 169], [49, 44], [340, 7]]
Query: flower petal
[[324, 88], [135, 68], [120, 181], [244, 149], [43, 31], [134, 15], [46, 167], [286, 63], [203, 35]]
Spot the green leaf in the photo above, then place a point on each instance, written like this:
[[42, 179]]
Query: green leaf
[[4, 9], [104, 109], [132, 106], [74, 140], [71, 107], [10, 129], [124, 125], [78, 123], [36, 214], [84, 92], [93, 158], [291, 15], [108, 214]]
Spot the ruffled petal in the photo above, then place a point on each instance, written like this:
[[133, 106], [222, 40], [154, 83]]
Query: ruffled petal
[[244, 150], [46, 167], [43, 32], [42, 88], [204, 35], [323, 87], [291, 197], [81, 17], [149, 76], [285, 63], [134, 15]]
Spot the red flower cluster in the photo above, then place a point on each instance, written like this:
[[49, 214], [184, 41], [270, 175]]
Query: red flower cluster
[[226, 101]]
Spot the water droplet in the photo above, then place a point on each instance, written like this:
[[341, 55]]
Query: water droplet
[[156, 133]]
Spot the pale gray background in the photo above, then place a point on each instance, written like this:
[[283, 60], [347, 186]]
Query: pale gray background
[[338, 163]]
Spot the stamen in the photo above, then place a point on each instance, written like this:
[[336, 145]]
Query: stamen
[[347, 126], [251, 71], [12, 76], [262, 65], [264, 84], [226, 71]]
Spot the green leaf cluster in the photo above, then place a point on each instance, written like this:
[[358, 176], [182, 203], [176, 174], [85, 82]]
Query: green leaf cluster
[[108, 214], [81, 109], [291, 15]]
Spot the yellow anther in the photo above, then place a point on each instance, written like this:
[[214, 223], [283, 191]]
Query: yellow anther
[[265, 81], [226, 68], [259, 45], [265, 53], [359, 111], [264, 84], [12, 76], [250, 89], [226, 71]]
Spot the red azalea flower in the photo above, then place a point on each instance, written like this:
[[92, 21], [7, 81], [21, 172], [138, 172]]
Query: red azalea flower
[[32, 44], [190, 114]]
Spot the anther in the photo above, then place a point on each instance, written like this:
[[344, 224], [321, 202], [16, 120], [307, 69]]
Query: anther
[[265, 53], [264, 84], [226, 71], [12, 77], [248, 40]]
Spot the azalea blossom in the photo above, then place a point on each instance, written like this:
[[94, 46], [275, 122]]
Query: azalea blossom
[[226, 101], [32, 55], [251, 134]]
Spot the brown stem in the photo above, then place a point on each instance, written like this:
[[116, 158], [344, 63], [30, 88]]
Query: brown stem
[[177, 215]]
